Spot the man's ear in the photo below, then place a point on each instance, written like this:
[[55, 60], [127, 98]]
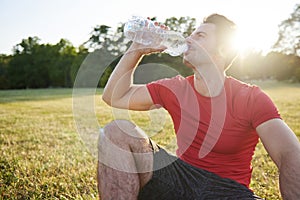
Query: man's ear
[[227, 54], [222, 51]]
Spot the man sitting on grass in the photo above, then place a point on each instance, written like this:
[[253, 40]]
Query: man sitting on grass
[[218, 121]]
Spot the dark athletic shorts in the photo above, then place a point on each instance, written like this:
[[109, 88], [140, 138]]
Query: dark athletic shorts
[[174, 179]]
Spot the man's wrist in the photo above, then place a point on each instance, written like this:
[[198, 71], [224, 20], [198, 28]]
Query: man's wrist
[[134, 52]]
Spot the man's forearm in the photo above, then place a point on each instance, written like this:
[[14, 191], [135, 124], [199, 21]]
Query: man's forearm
[[122, 77], [290, 177]]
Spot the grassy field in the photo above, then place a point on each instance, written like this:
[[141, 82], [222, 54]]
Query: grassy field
[[43, 157]]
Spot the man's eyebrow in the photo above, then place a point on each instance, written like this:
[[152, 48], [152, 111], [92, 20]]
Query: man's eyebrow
[[201, 32]]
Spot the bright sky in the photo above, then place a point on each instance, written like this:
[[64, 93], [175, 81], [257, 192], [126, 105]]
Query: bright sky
[[51, 20]]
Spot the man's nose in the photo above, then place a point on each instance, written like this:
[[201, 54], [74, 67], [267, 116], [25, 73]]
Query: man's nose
[[189, 40]]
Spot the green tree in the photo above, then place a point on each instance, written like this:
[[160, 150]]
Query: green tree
[[64, 54], [280, 65], [4, 62], [26, 46], [288, 40], [183, 25], [27, 68], [104, 36], [35, 65], [78, 60], [100, 36]]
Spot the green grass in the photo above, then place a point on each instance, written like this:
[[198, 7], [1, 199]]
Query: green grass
[[43, 157]]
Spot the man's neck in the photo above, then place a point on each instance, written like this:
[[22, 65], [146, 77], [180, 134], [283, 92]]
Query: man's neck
[[209, 80]]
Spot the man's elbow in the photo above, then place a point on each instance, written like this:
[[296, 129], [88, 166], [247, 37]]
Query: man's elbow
[[107, 99], [290, 158]]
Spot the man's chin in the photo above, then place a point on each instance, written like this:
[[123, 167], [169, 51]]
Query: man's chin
[[188, 64]]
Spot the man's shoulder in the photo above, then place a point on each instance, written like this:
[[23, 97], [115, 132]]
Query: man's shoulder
[[239, 86], [238, 83], [242, 91], [172, 81]]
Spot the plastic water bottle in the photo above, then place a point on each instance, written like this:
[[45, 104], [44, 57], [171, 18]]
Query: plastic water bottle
[[144, 31]]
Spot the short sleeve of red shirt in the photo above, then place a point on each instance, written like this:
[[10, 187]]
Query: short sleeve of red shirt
[[261, 108], [162, 91]]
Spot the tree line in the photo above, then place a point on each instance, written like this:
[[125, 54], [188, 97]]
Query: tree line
[[36, 65]]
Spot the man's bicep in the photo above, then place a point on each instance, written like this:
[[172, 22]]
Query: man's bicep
[[137, 98], [277, 138], [140, 99]]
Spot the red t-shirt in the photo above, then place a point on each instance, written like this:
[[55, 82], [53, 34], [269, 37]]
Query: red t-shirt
[[216, 134]]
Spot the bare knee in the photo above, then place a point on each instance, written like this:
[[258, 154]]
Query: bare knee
[[123, 131], [121, 141]]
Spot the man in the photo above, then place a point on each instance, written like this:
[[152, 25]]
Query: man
[[217, 119]]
